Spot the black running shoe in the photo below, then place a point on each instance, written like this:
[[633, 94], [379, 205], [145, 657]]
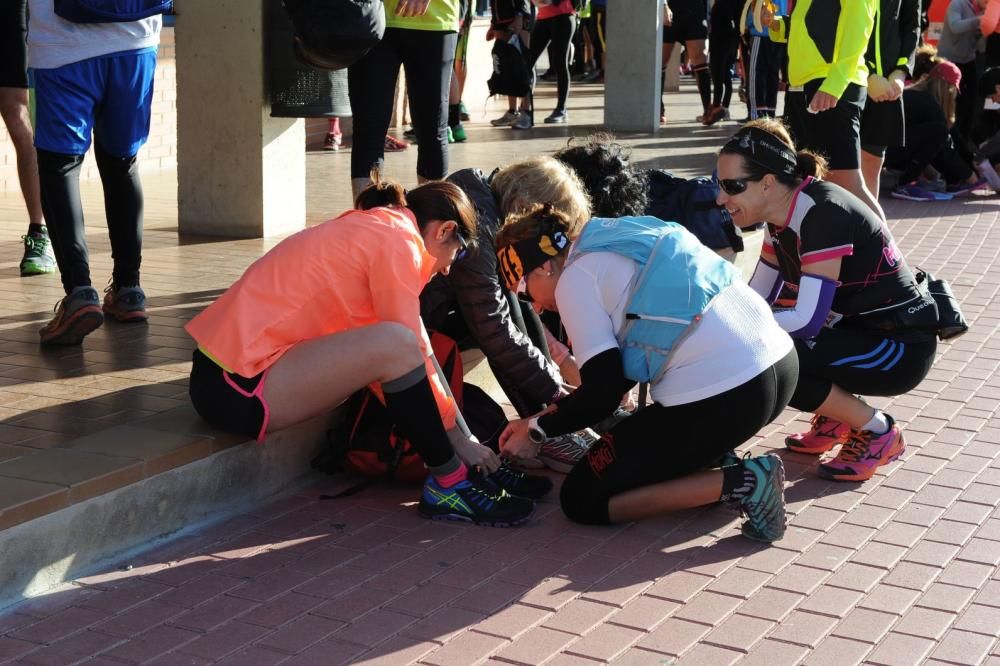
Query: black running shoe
[[472, 501], [518, 483]]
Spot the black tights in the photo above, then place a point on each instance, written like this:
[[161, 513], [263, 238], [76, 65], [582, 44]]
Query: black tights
[[427, 58], [721, 58], [661, 443], [59, 179], [860, 362], [558, 30]]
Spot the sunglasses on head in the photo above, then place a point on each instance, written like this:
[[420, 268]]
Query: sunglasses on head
[[734, 186]]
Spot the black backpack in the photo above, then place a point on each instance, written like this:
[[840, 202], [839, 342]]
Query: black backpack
[[334, 34], [110, 11], [511, 75], [691, 203]]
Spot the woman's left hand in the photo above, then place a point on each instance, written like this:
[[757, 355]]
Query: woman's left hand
[[515, 443], [412, 7]]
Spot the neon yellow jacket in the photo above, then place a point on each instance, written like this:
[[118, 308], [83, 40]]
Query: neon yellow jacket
[[827, 39]]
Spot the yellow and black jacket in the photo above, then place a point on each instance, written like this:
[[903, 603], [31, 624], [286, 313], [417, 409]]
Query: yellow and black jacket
[[827, 40], [895, 37]]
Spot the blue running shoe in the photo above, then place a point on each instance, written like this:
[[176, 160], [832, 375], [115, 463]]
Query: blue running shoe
[[764, 507], [473, 501]]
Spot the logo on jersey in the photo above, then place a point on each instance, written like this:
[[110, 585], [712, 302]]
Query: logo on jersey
[[891, 254]]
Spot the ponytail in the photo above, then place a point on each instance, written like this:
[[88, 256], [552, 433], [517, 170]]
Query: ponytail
[[380, 194], [809, 164]]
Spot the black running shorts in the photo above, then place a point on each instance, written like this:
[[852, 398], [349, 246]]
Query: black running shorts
[[228, 401]]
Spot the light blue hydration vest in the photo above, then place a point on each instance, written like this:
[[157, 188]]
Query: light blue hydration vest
[[677, 279]]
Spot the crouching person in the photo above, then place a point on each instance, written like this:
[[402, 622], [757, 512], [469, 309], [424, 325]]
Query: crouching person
[[860, 322], [643, 300], [336, 307]]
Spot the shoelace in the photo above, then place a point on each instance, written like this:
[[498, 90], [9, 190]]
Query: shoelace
[[35, 242], [855, 446], [817, 425]]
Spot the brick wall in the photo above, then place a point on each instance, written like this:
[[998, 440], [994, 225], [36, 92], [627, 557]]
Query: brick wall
[[160, 152]]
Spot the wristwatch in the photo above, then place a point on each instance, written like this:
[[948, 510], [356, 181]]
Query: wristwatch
[[535, 432]]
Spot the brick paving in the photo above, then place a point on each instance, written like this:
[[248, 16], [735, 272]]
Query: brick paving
[[901, 569]]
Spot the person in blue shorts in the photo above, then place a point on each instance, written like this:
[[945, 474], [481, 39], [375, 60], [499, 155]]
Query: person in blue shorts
[[93, 81]]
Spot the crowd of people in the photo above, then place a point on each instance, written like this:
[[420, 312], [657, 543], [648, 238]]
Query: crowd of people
[[578, 275]]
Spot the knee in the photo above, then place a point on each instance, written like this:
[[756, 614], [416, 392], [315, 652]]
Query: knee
[[400, 345], [581, 500]]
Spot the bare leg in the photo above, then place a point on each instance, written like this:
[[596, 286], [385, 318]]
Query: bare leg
[[851, 180], [846, 408], [871, 169], [315, 376], [14, 109], [696, 489]]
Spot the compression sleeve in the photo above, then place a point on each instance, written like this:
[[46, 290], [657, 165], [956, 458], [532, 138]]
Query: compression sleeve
[[766, 281], [806, 319], [602, 386]]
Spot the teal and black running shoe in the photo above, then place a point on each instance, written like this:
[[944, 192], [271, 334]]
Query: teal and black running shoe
[[764, 507], [38, 258], [473, 501]]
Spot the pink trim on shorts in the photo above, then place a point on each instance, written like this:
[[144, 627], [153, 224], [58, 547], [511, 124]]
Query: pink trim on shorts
[[258, 392]]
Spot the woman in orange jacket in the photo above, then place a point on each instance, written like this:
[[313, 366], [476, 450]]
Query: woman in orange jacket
[[336, 307]]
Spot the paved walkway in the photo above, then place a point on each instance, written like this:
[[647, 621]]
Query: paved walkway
[[898, 570]]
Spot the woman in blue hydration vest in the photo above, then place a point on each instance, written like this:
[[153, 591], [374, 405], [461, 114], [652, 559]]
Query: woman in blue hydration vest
[[643, 301]]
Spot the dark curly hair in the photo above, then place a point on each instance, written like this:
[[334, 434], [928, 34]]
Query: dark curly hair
[[614, 187]]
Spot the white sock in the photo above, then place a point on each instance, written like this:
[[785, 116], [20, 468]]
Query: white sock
[[878, 424]]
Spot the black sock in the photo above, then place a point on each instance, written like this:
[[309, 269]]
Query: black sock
[[454, 115], [704, 80], [37, 230], [413, 409], [737, 482]]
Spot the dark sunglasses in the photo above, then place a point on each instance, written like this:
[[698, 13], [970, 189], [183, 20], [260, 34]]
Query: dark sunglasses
[[522, 291], [734, 186]]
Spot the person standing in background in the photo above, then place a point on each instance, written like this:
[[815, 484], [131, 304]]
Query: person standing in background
[[38, 257], [420, 36], [93, 81]]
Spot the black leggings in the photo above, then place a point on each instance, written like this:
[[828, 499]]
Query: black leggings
[[721, 58], [558, 30], [928, 143], [427, 58], [860, 362], [761, 69], [59, 180], [661, 443]]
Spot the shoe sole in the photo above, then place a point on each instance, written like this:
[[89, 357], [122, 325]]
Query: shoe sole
[[126, 317], [793, 446], [864, 476], [558, 465], [81, 323], [35, 270], [462, 518]]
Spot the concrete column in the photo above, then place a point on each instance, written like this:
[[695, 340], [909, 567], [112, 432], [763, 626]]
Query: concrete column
[[240, 173], [632, 70]]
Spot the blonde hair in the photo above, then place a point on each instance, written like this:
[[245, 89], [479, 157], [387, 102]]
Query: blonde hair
[[943, 93], [539, 180]]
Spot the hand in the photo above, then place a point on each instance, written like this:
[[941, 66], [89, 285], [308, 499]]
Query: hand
[[668, 16], [822, 101], [412, 7], [879, 88], [472, 453], [515, 443], [897, 82]]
